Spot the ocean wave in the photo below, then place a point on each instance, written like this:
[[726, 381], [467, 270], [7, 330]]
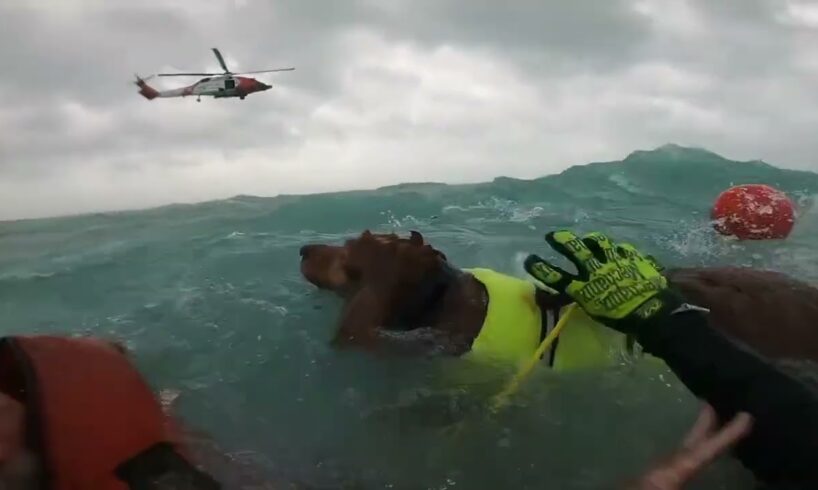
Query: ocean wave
[[210, 299]]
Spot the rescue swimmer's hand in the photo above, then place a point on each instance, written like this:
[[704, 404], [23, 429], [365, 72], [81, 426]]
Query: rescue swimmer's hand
[[704, 443], [615, 283]]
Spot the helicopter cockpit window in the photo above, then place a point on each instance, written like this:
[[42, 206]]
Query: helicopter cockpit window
[[229, 83], [204, 79]]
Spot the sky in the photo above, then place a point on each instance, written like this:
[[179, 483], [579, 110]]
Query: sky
[[387, 91]]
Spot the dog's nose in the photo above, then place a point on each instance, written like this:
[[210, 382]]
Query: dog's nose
[[305, 251]]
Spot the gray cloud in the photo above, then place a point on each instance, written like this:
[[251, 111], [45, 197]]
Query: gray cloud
[[387, 91]]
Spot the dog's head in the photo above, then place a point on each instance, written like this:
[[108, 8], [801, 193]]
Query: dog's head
[[376, 260]]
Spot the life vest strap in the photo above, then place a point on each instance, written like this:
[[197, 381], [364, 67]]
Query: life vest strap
[[161, 467], [550, 319]]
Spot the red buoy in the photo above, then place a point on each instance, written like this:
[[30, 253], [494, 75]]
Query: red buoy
[[753, 212]]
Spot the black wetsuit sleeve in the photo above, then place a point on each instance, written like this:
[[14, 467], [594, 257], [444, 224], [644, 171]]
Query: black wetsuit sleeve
[[782, 447]]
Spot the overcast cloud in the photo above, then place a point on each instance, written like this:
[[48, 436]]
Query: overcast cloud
[[387, 91]]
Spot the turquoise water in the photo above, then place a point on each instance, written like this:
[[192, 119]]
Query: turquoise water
[[210, 299]]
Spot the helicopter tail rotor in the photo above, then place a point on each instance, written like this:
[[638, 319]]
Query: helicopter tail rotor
[[146, 90], [142, 79]]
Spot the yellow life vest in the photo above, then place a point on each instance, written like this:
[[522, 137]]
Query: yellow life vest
[[585, 343], [512, 328]]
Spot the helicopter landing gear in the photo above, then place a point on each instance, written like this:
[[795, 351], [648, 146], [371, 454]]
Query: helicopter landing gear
[[199, 98]]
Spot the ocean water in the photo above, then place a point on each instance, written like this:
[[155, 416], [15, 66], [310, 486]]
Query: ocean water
[[210, 300]]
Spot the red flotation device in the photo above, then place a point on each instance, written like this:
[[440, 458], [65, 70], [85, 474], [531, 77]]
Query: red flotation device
[[91, 417], [754, 212]]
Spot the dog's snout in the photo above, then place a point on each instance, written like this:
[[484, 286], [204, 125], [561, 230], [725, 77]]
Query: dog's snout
[[305, 251]]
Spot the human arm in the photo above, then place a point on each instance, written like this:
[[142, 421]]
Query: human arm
[[624, 290], [783, 444]]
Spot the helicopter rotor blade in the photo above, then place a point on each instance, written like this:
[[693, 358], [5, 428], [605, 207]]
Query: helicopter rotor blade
[[221, 60], [264, 71], [187, 74]]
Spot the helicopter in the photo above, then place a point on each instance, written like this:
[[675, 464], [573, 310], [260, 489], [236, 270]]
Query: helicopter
[[217, 85]]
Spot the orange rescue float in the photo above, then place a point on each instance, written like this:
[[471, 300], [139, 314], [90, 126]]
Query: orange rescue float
[[753, 212]]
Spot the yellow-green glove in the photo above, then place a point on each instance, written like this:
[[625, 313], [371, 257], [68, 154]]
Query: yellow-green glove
[[615, 284]]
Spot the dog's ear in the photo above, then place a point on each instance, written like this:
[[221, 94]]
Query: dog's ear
[[366, 238], [415, 238]]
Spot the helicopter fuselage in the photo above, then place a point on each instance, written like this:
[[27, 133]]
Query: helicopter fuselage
[[220, 86]]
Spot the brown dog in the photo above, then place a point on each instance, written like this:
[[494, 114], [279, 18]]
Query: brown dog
[[396, 285]]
